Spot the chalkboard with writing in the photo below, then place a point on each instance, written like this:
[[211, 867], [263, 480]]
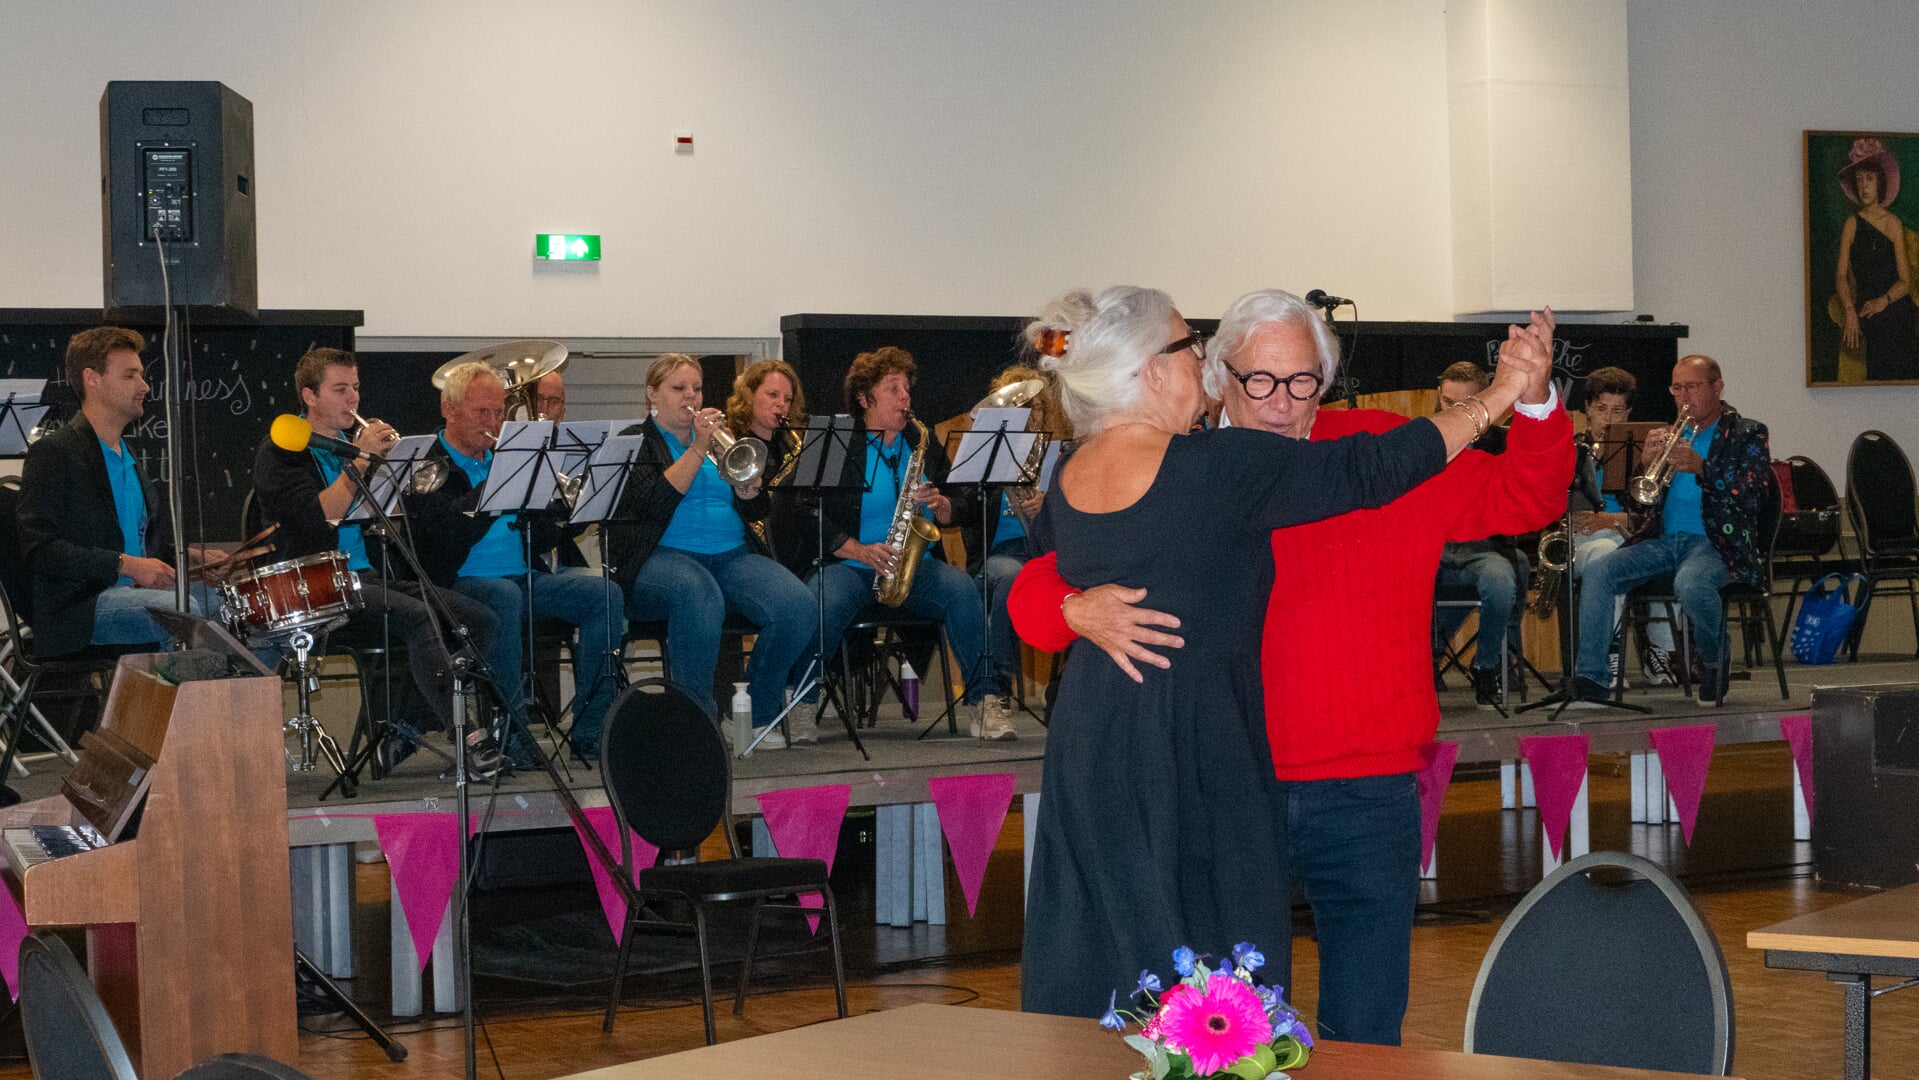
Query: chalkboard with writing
[[238, 378]]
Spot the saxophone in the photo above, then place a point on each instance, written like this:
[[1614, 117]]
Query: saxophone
[[910, 531], [762, 529], [1015, 496]]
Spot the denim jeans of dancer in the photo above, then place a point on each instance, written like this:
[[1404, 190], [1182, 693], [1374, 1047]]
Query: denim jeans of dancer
[[940, 591], [120, 615], [1352, 846], [1698, 573], [591, 604], [1002, 566], [692, 593], [1493, 578]]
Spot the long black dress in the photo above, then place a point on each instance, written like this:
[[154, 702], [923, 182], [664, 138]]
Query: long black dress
[[1892, 350], [1153, 826]]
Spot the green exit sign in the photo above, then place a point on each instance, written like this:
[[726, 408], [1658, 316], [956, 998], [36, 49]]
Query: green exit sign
[[567, 247]]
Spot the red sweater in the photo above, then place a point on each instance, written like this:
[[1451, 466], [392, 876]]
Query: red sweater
[[1348, 637]]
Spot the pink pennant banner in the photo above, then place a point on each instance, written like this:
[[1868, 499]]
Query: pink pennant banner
[[1685, 754], [606, 825], [13, 931], [1433, 781], [1798, 734], [1559, 768], [805, 824], [423, 855], [971, 811]]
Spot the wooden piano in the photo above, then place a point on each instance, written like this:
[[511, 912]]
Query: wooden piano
[[189, 922]]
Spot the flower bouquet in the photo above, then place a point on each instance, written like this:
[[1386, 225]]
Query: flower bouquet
[[1212, 1023]]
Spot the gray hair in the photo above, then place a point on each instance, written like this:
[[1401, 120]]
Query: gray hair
[[1110, 338], [1249, 313], [453, 391]]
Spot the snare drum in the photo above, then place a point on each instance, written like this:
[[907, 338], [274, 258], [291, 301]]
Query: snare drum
[[298, 594]]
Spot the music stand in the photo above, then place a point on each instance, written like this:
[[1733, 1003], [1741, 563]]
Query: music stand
[[826, 444], [21, 411], [604, 471], [998, 453]]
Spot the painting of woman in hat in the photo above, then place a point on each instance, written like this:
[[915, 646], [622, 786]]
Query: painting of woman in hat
[[1874, 271]]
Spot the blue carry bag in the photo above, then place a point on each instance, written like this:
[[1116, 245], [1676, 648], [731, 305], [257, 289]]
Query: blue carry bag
[[1826, 615]]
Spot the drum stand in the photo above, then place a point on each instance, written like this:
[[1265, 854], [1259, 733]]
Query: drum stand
[[300, 647]]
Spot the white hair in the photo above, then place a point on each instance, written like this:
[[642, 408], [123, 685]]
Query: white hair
[[1249, 313], [453, 391], [1110, 338]]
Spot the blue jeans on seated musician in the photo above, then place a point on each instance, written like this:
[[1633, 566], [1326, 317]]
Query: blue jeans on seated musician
[[120, 613], [940, 591], [1499, 586], [1001, 567], [1698, 574], [1352, 846], [590, 604], [692, 593]]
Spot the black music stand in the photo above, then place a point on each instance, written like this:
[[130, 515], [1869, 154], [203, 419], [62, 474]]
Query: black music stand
[[21, 414], [605, 470], [999, 462], [825, 444]]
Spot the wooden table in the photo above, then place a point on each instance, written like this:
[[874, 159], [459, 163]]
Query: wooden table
[[1877, 935], [947, 1042]]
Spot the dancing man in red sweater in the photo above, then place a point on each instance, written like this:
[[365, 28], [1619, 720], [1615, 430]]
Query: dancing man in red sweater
[[1347, 654]]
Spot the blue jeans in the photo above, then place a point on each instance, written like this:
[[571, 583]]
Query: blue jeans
[[1353, 847], [1001, 567], [120, 612], [1494, 580], [940, 591], [1698, 573], [693, 592], [588, 603]]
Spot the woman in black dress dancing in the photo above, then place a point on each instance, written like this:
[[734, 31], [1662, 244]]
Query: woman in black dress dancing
[[1153, 831]]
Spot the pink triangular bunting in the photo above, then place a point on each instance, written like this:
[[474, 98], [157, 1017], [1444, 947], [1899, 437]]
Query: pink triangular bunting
[[1798, 734], [606, 826], [1433, 781], [971, 811], [423, 856], [13, 931], [805, 824], [1685, 754], [1559, 767]]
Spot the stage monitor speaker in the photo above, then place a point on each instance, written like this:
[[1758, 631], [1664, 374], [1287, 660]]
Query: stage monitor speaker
[[176, 160]]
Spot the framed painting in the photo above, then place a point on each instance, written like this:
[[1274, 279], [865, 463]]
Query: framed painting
[[1862, 258]]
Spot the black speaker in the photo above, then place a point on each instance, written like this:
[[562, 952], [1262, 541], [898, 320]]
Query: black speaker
[[176, 160]]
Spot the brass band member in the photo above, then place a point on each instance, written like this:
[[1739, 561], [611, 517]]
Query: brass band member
[[768, 404], [306, 491], [683, 556], [1492, 567], [482, 557], [95, 539]]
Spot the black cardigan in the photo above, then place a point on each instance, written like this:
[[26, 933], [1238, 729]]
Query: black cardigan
[[70, 534], [442, 531], [286, 488], [646, 506]]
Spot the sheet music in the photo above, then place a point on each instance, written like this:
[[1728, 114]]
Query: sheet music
[[389, 481], [22, 391], [1006, 452], [576, 440], [606, 473], [20, 412], [1049, 463], [517, 480]]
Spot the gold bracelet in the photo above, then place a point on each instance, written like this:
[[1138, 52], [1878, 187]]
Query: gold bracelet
[[1485, 413], [1471, 416]]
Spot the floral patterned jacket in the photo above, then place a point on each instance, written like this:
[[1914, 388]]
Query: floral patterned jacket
[[1734, 489]]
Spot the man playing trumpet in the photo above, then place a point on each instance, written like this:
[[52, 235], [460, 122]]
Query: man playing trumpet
[[1703, 529]]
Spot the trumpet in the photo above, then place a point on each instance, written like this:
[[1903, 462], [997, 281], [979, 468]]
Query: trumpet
[[740, 460], [428, 476], [1647, 487]]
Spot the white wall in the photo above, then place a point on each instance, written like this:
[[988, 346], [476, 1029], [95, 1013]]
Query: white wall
[[1721, 92], [943, 156]]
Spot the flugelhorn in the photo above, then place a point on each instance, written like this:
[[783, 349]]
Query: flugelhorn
[[740, 460], [1647, 487]]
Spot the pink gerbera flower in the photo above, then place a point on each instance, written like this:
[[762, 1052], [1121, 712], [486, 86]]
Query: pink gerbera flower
[[1217, 1026]]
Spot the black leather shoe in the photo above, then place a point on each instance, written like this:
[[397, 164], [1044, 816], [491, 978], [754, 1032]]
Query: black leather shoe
[[483, 757], [396, 747]]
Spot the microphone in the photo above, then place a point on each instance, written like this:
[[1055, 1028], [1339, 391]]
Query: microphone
[[1320, 298], [294, 433]]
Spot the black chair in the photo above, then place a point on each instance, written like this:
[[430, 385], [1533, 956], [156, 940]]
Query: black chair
[[1621, 971], [670, 780], [1811, 541], [869, 672], [240, 1067], [69, 1035], [1879, 499]]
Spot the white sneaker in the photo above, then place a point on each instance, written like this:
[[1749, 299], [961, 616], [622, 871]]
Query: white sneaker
[[1657, 667], [803, 724], [994, 719], [773, 741]]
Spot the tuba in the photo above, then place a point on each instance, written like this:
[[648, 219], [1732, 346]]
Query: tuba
[[910, 531]]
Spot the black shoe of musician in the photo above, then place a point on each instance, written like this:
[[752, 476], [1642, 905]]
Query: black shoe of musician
[[483, 758], [521, 754], [1485, 688], [396, 747], [1587, 694]]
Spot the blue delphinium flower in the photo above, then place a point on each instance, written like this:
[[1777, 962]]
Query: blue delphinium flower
[[1147, 981], [1183, 959], [1301, 1033], [1267, 997], [1112, 1020], [1246, 956]]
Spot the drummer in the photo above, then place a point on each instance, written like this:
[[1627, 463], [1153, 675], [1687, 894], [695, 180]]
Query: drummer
[[305, 492]]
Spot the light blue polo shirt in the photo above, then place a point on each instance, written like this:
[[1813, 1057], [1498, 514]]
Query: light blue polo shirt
[[704, 522], [352, 542], [1684, 510], [885, 475], [498, 553], [129, 502]]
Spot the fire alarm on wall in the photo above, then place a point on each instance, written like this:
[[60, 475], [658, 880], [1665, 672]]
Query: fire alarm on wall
[[683, 142]]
